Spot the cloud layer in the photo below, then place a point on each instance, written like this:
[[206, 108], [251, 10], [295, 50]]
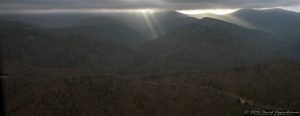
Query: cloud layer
[[141, 4]]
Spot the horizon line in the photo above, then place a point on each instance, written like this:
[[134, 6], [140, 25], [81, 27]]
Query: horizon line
[[184, 11]]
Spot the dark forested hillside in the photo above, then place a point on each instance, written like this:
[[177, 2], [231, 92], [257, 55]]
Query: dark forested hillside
[[272, 85]]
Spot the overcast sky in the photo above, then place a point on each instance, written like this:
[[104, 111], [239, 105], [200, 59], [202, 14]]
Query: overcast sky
[[6, 5]]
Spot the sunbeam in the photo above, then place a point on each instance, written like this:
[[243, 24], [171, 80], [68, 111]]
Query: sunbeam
[[240, 22], [150, 25], [156, 23]]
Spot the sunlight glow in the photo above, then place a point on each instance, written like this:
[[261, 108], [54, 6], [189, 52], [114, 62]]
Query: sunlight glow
[[292, 8], [212, 11], [144, 10]]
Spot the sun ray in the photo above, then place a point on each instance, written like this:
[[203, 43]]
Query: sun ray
[[157, 24], [150, 25], [241, 22]]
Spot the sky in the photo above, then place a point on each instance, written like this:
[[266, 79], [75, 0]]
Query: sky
[[105, 5]]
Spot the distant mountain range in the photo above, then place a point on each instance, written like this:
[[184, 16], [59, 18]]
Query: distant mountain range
[[150, 24], [106, 42], [98, 46], [210, 44], [281, 23]]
